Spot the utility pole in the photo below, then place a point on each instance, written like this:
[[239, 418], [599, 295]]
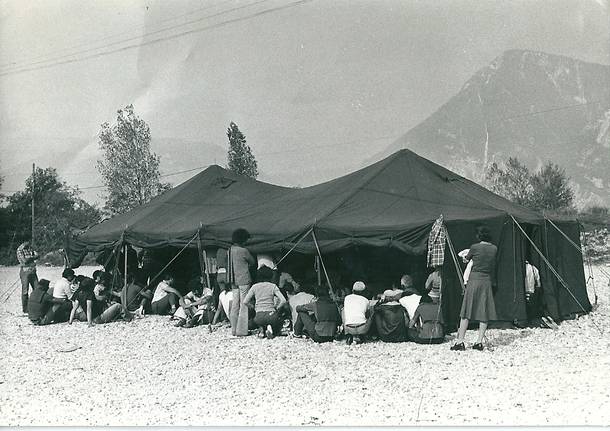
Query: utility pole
[[33, 190]]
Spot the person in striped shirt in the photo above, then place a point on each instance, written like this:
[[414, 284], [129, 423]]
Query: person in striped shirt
[[27, 257]]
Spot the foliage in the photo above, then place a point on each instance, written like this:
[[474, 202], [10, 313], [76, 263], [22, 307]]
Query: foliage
[[57, 207], [596, 244], [545, 190], [551, 189], [513, 182], [129, 169], [241, 159]]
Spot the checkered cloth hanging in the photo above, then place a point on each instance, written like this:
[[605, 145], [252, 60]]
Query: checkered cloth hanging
[[436, 243]]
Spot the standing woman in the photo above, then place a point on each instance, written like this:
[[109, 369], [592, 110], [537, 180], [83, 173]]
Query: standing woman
[[240, 261], [478, 303]]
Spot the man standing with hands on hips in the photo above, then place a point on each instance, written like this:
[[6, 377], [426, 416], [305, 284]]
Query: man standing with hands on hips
[[27, 273]]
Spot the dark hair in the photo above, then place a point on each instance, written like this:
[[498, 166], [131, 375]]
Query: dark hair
[[80, 278], [87, 284], [96, 273], [322, 292], [264, 273], [68, 272], [168, 276], [483, 233], [43, 283], [240, 236]]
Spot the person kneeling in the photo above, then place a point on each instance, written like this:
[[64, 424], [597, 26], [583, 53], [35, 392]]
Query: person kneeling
[[268, 299], [318, 319]]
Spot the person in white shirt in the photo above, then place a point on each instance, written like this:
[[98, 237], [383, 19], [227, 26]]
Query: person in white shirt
[[357, 314], [224, 305], [411, 297], [62, 288], [166, 298]]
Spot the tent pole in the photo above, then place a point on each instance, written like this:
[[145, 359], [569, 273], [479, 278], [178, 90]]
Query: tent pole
[[330, 286], [317, 265]]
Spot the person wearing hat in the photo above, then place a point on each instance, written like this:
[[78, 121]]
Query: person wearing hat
[[357, 314], [40, 305], [390, 319]]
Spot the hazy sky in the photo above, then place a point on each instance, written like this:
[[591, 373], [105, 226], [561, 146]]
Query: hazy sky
[[311, 74]]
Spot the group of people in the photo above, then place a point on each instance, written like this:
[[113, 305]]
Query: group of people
[[253, 296]]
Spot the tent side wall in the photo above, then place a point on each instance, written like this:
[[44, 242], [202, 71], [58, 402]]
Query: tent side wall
[[562, 302]]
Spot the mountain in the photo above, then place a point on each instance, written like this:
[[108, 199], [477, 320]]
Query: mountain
[[532, 105]]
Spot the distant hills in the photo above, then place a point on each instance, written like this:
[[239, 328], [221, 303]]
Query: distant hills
[[531, 105]]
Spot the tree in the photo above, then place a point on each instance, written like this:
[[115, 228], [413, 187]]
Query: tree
[[546, 189], [241, 159], [513, 182], [129, 169], [551, 189], [57, 207]]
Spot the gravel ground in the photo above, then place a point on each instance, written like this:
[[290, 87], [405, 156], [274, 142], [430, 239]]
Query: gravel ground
[[146, 372]]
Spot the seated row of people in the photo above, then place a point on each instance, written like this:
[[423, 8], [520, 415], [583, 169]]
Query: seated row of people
[[399, 314]]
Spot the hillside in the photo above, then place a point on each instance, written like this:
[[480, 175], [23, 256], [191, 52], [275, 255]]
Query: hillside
[[532, 105]]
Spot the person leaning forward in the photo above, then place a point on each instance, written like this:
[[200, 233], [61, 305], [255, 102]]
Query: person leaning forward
[[318, 319], [27, 272], [42, 307]]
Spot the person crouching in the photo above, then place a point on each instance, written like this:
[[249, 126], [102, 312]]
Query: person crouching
[[267, 300]]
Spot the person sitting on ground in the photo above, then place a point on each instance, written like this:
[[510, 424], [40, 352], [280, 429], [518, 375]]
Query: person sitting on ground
[[434, 284], [95, 310], [267, 300], [62, 291], [318, 319], [137, 296], [357, 314], [390, 319], [410, 297], [426, 325], [299, 295], [102, 290], [224, 305], [196, 306], [41, 305], [166, 298]]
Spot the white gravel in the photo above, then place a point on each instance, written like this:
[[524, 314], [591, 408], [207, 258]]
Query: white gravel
[[147, 372]]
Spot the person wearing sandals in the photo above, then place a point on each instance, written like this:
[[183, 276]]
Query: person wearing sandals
[[478, 303]]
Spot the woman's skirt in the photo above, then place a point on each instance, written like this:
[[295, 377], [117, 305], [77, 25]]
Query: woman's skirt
[[478, 303]]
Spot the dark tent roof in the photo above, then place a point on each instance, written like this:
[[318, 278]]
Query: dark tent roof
[[379, 202]]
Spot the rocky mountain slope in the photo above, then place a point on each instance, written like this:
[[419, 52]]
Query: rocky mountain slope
[[531, 105]]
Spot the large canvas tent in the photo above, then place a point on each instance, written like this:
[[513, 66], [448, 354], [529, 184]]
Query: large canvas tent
[[390, 204]]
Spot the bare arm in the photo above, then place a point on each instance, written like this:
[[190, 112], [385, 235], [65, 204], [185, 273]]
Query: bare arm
[[278, 294], [73, 312], [90, 312]]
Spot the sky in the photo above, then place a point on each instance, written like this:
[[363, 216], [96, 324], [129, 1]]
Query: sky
[[317, 86]]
